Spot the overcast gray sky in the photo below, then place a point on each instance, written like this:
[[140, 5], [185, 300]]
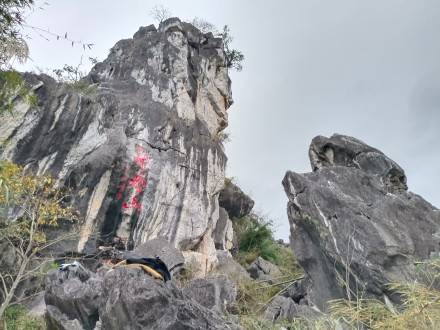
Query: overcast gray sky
[[370, 69]]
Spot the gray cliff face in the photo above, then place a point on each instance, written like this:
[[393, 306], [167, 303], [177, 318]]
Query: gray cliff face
[[353, 221], [141, 151]]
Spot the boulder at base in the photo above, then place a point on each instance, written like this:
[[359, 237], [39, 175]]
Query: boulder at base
[[123, 298], [215, 293], [159, 247], [264, 270]]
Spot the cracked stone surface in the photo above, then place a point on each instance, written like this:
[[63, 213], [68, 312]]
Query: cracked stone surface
[[236, 203], [354, 222], [125, 298], [139, 149]]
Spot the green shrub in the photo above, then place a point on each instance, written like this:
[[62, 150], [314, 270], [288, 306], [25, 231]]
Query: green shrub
[[255, 239], [12, 87], [17, 318]]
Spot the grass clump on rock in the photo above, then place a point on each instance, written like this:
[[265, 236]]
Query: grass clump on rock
[[420, 308], [255, 239], [17, 318]]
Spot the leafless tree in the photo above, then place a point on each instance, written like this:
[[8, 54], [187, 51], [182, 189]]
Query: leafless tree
[[29, 263], [160, 13], [204, 26]]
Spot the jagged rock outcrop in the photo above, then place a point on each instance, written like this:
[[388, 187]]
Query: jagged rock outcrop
[[216, 293], [285, 309], [123, 298], [72, 298], [159, 247], [261, 269], [354, 225], [235, 201], [228, 266], [133, 300], [138, 147]]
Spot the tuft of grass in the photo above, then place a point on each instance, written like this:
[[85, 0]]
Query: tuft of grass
[[255, 239], [251, 297], [288, 264], [17, 318], [254, 296], [253, 323], [420, 308], [187, 273], [83, 87]]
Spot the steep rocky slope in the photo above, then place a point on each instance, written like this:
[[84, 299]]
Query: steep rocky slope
[[354, 225], [140, 148]]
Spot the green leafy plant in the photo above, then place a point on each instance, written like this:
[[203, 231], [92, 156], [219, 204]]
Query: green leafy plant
[[12, 43], [28, 206], [234, 57], [17, 318], [255, 238], [12, 87]]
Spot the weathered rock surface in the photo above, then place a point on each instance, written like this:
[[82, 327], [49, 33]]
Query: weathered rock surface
[[340, 150], [262, 269], [228, 266], [139, 148], [282, 308], [56, 320], [223, 233], [215, 293], [132, 300], [353, 219], [160, 247], [204, 259], [74, 295], [124, 299], [298, 291], [235, 201]]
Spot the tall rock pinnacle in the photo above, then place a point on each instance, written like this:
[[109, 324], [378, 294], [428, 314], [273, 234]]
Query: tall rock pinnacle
[[139, 149]]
